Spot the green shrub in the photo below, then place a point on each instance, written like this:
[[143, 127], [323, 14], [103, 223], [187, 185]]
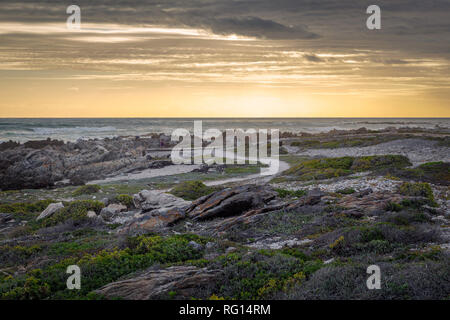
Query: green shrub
[[75, 211], [125, 199], [15, 255], [418, 189], [283, 193], [319, 169], [432, 172], [24, 207], [260, 275], [394, 207], [346, 191], [32, 289], [191, 190], [380, 162], [104, 267], [87, 189]]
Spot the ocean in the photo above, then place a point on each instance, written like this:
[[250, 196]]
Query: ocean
[[22, 130]]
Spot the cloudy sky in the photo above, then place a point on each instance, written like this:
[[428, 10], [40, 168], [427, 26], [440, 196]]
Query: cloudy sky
[[225, 58]]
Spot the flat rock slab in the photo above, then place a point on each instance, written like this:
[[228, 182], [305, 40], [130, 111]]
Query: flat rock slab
[[230, 202], [50, 210], [156, 284], [151, 201]]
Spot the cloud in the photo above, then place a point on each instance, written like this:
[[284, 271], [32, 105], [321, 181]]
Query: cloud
[[258, 28], [313, 58]]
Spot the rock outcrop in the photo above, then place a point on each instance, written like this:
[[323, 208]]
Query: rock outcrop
[[156, 210], [152, 222], [157, 202], [50, 210], [156, 284], [230, 202], [40, 164], [110, 212]]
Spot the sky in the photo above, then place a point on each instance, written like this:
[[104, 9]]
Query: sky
[[225, 58]]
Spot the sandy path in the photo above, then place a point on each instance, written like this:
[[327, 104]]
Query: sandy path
[[150, 173]]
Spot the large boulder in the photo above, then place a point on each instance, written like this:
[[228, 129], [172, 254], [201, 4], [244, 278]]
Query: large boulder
[[158, 202], [153, 221], [231, 202], [312, 198], [156, 210], [110, 212], [50, 210], [186, 281]]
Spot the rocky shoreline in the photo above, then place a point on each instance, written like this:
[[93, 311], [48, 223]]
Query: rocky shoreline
[[345, 201]]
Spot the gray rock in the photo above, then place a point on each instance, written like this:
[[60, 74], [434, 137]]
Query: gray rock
[[50, 210], [91, 214], [196, 246], [111, 211], [150, 222], [316, 193], [231, 202], [210, 245], [39, 164], [230, 250], [157, 202]]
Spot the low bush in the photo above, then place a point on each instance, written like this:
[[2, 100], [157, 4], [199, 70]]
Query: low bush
[[102, 268], [419, 189], [191, 190], [261, 275], [346, 191], [125, 199], [283, 193], [318, 169], [75, 211], [87, 189], [25, 207]]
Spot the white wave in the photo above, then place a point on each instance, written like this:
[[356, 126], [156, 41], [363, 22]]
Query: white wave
[[82, 130]]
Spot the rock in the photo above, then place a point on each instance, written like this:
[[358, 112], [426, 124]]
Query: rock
[[439, 219], [158, 164], [91, 214], [152, 222], [230, 250], [5, 218], [203, 168], [277, 243], [196, 246], [40, 164], [50, 210], [111, 211], [364, 193], [157, 210], [186, 281], [230, 202], [105, 201], [210, 245], [156, 201], [316, 193]]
